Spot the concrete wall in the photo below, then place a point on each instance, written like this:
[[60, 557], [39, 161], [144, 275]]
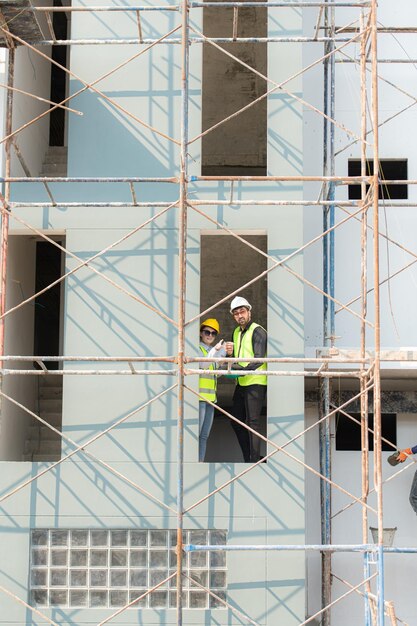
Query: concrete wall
[[347, 526], [264, 507], [397, 327], [227, 87], [267, 504], [19, 341], [32, 74]]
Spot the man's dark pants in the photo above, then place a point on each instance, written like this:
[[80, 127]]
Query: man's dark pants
[[247, 406]]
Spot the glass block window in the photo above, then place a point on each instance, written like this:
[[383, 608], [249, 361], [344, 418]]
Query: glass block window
[[110, 568]]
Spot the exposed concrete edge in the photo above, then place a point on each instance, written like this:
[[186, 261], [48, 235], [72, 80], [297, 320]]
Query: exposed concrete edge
[[21, 22], [391, 401]]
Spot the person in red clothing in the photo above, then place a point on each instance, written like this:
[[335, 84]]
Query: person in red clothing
[[403, 456]]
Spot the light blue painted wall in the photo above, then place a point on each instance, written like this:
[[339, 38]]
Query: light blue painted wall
[[267, 504]]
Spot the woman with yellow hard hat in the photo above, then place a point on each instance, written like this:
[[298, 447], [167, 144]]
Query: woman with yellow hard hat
[[209, 330]]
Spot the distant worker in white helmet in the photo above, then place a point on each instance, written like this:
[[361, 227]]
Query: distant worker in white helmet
[[249, 340]]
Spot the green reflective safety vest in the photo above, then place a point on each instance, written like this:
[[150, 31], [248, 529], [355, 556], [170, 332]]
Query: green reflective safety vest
[[243, 347], [207, 384]]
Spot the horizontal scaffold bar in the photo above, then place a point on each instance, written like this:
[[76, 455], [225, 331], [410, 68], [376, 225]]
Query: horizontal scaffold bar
[[384, 30], [93, 359], [365, 547], [86, 372], [250, 203], [298, 5], [192, 40], [412, 61], [86, 179], [232, 360], [175, 7], [344, 356], [305, 374], [174, 372], [89, 205], [403, 354], [97, 9], [340, 180]]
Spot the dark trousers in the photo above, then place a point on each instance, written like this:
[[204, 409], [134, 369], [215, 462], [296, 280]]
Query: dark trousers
[[247, 406], [413, 493]]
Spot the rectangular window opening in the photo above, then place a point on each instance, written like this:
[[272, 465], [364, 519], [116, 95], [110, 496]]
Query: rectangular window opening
[[239, 264], [237, 147], [348, 432], [59, 78], [390, 169], [34, 330]]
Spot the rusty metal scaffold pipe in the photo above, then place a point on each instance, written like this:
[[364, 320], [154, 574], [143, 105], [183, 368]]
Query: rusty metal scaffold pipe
[[377, 316], [368, 605], [182, 286], [5, 216]]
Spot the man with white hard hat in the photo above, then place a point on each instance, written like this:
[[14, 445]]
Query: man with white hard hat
[[249, 340]]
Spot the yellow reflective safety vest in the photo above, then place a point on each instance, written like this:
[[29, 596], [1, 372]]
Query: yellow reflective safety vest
[[243, 347], [207, 384]]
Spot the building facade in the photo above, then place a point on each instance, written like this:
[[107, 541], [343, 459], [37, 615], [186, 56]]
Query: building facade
[[199, 152], [89, 523]]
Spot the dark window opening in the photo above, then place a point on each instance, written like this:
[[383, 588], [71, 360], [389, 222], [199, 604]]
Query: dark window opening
[[58, 78], [42, 444], [239, 264], [348, 432], [48, 304], [237, 147], [395, 169], [35, 330]]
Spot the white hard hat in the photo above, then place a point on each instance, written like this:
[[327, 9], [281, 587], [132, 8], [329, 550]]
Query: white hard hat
[[237, 302]]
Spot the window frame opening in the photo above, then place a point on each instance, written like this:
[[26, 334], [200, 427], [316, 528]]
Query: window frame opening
[[390, 169], [59, 78], [240, 264], [348, 432], [237, 147], [23, 437]]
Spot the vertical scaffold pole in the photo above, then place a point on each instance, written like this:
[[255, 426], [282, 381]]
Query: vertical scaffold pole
[[5, 216], [328, 314], [369, 605], [182, 244], [377, 321], [367, 574], [325, 495], [331, 196]]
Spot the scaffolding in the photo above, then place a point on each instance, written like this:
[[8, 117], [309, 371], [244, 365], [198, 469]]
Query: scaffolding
[[329, 364]]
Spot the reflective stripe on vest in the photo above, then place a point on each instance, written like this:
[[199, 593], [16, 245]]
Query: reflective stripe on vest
[[243, 347], [207, 384]]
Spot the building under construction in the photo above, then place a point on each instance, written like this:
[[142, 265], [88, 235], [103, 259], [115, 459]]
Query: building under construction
[[158, 160]]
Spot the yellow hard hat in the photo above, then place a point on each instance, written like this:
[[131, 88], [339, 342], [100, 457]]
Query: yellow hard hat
[[212, 323]]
